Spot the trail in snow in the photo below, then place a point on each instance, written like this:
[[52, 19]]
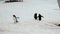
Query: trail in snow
[[29, 27]]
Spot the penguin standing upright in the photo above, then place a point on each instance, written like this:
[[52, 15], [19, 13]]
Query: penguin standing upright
[[35, 16], [15, 19], [40, 17]]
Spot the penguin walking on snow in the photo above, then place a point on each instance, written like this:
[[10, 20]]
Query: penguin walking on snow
[[40, 17], [15, 19]]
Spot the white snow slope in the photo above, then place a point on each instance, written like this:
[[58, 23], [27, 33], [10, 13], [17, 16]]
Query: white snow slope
[[27, 25]]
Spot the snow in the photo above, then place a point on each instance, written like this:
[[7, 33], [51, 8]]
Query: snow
[[27, 25]]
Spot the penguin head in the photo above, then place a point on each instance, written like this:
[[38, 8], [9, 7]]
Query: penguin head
[[14, 16]]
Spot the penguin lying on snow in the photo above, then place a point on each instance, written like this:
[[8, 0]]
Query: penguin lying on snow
[[58, 24]]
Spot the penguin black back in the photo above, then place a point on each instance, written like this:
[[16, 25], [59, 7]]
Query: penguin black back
[[14, 16], [35, 16]]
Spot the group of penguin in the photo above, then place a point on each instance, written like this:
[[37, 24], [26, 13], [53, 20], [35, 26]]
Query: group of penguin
[[39, 17]]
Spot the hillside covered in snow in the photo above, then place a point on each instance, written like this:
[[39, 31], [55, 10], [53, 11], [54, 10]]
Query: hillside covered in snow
[[27, 24]]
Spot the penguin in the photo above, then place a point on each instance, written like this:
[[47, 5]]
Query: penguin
[[15, 19], [35, 16], [58, 24], [40, 17]]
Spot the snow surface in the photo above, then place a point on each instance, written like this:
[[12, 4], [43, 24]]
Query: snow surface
[[27, 25]]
